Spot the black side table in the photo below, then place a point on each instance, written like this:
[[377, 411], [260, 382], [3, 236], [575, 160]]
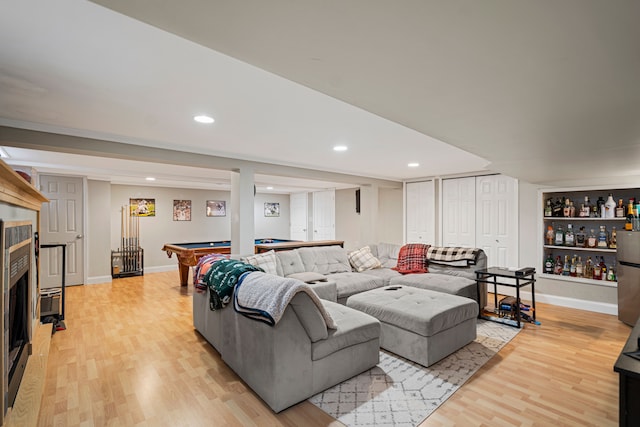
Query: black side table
[[517, 279]]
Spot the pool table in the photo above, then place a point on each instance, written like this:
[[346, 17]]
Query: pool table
[[188, 254]]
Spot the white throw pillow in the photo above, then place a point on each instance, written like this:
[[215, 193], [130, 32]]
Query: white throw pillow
[[362, 259], [266, 261]]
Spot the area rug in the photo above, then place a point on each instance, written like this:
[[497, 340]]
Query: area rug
[[400, 393]]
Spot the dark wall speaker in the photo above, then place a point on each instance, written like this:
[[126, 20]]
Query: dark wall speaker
[[358, 200]]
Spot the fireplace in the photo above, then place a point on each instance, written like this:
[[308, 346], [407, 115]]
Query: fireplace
[[17, 255]]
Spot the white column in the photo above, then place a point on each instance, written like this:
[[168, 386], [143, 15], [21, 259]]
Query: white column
[[242, 212], [369, 214]]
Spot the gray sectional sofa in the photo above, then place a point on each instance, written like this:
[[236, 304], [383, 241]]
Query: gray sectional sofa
[[300, 356], [331, 263]]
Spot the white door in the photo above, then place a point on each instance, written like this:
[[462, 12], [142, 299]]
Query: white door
[[420, 211], [299, 214], [62, 221], [324, 215], [459, 212], [497, 219]]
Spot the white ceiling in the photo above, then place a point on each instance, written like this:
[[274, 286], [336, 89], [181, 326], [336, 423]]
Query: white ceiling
[[542, 91]]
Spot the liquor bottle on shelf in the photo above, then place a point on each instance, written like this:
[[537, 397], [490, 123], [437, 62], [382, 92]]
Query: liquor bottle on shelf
[[572, 267], [628, 226], [548, 211], [620, 209], [603, 269], [581, 238], [569, 237], [559, 240], [549, 264], [579, 267], [613, 242], [610, 207], [572, 209], [557, 267], [611, 272], [597, 271], [566, 210], [630, 206], [550, 236], [556, 208], [586, 208], [588, 269], [603, 241], [566, 267], [592, 240], [600, 204]]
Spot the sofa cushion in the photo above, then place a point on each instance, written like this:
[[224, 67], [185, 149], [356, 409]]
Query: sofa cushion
[[386, 274], [308, 277], [290, 262], [362, 259], [387, 253], [439, 282], [412, 259], [354, 327], [266, 261], [352, 283], [325, 259], [309, 316]]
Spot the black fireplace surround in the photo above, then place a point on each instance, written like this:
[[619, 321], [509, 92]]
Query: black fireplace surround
[[16, 263]]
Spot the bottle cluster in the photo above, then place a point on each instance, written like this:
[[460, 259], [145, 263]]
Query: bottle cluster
[[567, 208], [581, 238], [574, 267]]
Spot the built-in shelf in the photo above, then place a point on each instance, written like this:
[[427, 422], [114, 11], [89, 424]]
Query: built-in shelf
[[581, 218], [577, 248], [579, 280]]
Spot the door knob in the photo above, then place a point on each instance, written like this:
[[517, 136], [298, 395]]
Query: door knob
[[79, 236]]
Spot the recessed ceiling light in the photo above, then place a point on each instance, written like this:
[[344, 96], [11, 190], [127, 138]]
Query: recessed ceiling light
[[340, 148], [150, 178], [203, 119], [413, 165], [269, 188]]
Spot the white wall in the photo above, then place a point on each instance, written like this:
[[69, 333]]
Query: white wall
[[390, 214], [353, 227], [98, 215], [348, 221], [272, 227]]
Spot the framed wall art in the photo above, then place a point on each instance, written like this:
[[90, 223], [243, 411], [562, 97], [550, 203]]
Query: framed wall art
[[271, 209], [216, 208], [142, 207], [182, 210]]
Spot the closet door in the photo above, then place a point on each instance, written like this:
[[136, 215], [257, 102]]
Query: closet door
[[459, 212], [497, 219], [299, 215], [420, 212], [324, 215]]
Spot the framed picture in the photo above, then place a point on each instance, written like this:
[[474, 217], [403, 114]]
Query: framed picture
[[182, 210], [271, 209], [216, 208], [142, 207]]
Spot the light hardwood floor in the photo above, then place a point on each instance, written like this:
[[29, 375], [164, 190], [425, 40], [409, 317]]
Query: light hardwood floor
[[130, 356]]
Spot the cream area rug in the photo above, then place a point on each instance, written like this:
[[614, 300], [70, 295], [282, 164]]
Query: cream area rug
[[400, 393]]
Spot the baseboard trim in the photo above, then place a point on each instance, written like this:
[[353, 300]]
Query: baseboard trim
[[98, 280], [161, 268], [580, 304]]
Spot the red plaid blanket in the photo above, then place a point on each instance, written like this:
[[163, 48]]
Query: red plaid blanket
[[412, 259]]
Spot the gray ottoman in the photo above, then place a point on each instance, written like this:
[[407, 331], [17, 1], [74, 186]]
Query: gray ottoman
[[417, 324]]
